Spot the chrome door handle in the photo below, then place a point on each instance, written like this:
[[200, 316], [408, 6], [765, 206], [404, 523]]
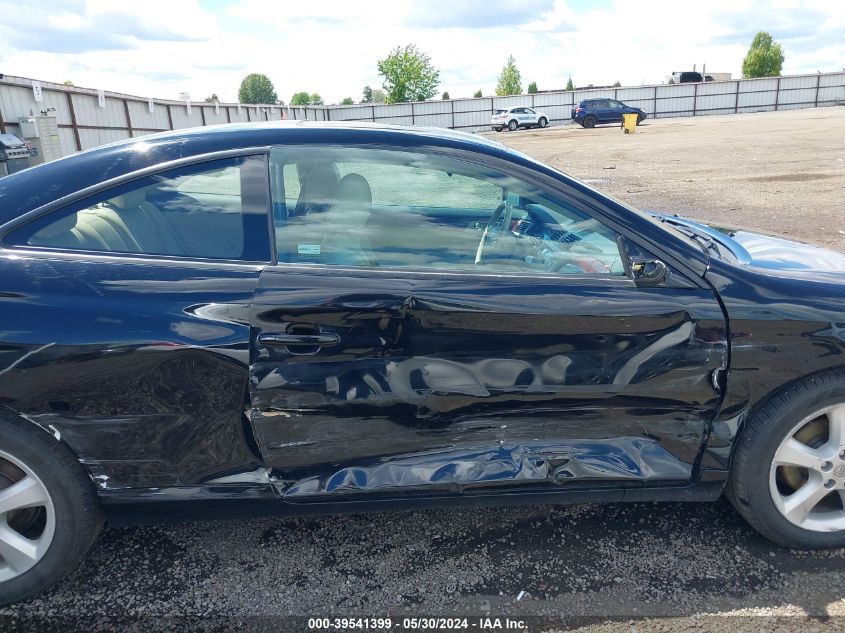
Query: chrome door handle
[[273, 339]]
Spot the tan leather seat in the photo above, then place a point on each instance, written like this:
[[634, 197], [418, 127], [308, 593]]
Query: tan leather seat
[[123, 224]]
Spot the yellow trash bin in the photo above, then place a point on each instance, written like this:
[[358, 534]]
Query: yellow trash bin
[[629, 123]]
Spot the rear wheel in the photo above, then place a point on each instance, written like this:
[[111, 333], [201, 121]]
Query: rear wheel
[[589, 121], [543, 122], [788, 476], [48, 511], [513, 125]]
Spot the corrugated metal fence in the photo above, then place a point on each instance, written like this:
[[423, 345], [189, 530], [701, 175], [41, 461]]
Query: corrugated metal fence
[[88, 118]]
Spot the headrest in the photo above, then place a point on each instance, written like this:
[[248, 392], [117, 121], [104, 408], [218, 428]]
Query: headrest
[[57, 227], [354, 188], [321, 182], [129, 200]]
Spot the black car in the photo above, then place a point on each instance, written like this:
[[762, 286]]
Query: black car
[[328, 317], [591, 112]]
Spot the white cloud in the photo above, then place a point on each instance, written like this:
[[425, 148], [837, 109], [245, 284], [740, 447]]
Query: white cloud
[[163, 47]]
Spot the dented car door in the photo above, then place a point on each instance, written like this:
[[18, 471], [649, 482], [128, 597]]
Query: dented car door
[[377, 380]]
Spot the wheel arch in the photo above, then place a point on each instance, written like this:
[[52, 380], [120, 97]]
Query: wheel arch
[[743, 420]]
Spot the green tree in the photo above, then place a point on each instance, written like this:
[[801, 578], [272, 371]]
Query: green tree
[[532, 88], [570, 85], [257, 88], [68, 83], [212, 98], [408, 75], [300, 99], [379, 96], [347, 101], [367, 95], [316, 99], [445, 95], [764, 58], [617, 84], [478, 94], [510, 81]]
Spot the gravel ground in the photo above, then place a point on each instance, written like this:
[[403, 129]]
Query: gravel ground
[[617, 567]]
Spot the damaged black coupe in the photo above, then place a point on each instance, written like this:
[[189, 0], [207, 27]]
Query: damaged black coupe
[[324, 318]]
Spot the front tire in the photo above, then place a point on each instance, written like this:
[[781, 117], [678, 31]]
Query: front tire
[[543, 122], [788, 474], [49, 515], [513, 125]]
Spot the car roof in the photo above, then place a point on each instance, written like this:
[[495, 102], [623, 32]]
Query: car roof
[[34, 187]]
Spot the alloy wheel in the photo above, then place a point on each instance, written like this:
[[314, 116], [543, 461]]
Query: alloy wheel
[[807, 475], [27, 518]]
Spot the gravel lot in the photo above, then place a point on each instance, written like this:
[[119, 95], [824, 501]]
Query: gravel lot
[[644, 567]]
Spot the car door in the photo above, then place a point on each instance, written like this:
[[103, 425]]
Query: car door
[[396, 354], [530, 116], [615, 111], [126, 321], [601, 110]]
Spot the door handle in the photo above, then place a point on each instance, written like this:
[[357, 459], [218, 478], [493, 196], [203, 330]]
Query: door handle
[[273, 339]]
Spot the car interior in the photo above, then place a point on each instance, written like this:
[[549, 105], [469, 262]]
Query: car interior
[[385, 215]]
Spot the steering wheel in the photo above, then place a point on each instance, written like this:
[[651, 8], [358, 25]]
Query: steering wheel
[[504, 209]]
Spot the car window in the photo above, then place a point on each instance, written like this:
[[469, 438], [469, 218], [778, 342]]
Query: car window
[[600, 104], [528, 111], [615, 105], [211, 210], [378, 208]]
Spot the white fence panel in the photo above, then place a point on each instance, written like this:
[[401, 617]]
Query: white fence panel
[[757, 85], [634, 94], [804, 95], [832, 95], [757, 99], [142, 119], [802, 81]]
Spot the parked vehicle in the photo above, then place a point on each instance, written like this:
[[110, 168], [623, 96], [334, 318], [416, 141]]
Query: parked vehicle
[[592, 112], [324, 317], [516, 117]]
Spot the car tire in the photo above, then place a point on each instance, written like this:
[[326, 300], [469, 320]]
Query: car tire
[[763, 478], [543, 122], [69, 516], [513, 125], [498, 129], [589, 121]]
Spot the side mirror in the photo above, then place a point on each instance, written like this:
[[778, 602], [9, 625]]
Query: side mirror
[[649, 271]]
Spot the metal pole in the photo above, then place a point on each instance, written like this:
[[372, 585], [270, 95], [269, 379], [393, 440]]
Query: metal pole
[[777, 94], [736, 98], [128, 117], [695, 99], [818, 83], [169, 117], [76, 138]]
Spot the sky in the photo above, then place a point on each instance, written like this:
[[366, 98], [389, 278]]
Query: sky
[[161, 48]]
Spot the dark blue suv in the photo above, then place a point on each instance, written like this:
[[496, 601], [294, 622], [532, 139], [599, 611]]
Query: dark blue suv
[[592, 111]]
